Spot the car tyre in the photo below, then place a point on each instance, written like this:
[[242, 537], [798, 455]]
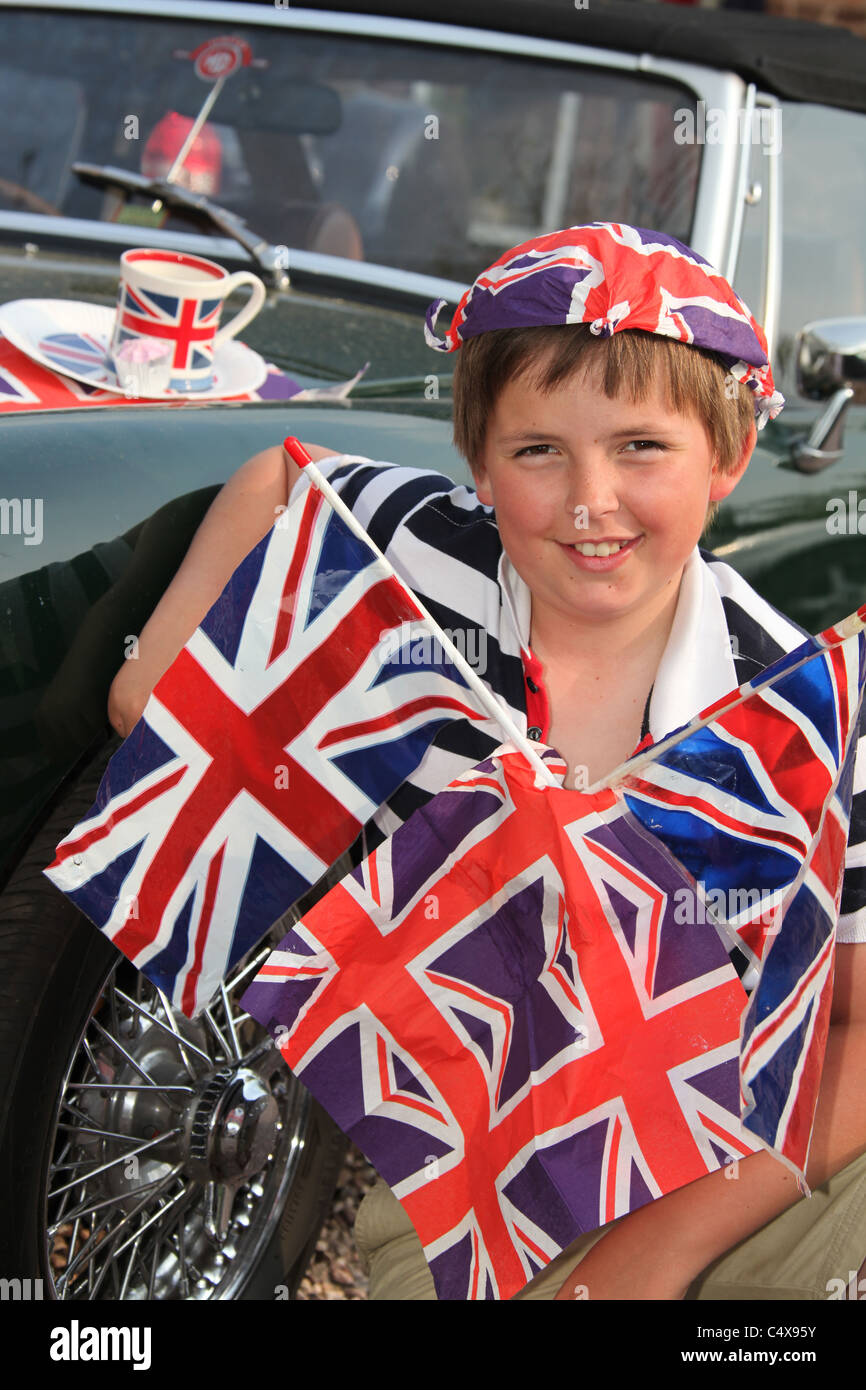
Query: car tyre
[[54, 966]]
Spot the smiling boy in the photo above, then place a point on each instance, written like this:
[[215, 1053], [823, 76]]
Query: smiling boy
[[635, 474], [606, 394]]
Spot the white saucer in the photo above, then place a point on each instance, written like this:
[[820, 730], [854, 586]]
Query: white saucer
[[73, 338]]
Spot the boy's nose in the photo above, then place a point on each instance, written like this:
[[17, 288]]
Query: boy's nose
[[592, 490]]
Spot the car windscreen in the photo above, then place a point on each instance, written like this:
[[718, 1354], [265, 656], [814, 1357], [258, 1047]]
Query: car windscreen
[[408, 154]]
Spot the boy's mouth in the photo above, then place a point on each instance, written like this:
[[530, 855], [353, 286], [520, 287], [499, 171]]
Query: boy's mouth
[[601, 555], [602, 547]]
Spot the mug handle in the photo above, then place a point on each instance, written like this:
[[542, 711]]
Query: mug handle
[[250, 309]]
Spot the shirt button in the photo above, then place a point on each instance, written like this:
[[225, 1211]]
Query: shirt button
[[534, 733]]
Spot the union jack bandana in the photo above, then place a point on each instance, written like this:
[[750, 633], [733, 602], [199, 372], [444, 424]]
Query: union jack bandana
[[614, 277]]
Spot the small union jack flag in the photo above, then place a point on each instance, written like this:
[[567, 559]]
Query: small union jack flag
[[756, 805], [76, 352], [506, 1010], [284, 723]]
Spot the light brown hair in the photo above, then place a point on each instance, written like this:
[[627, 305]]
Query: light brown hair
[[694, 381]]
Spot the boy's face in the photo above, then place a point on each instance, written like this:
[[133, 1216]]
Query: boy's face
[[637, 472]]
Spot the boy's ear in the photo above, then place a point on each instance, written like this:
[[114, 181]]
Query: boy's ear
[[724, 483], [481, 482]]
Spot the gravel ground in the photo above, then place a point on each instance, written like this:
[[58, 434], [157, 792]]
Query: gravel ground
[[335, 1269]]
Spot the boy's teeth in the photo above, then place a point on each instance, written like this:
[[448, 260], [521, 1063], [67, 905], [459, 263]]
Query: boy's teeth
[[605, 548]]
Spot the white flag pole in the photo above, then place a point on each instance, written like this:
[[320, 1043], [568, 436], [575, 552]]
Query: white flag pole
[[833, 636], [197, 124], [489, 701]]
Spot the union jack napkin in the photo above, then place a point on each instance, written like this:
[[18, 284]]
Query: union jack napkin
[[288, 718], [27, 385], [536, 1009]]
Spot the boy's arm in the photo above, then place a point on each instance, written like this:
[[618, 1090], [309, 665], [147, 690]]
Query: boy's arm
[[242, 512], [657, 1251]]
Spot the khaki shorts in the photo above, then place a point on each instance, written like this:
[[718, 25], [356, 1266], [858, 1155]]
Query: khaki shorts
[[821, 1238]]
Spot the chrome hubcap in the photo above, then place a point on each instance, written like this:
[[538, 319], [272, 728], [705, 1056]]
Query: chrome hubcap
[[175, 1144]]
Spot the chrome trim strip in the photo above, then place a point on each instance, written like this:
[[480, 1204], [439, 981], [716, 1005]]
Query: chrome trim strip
[[773, 263], [407, 282], [739, 206], [123, 233]]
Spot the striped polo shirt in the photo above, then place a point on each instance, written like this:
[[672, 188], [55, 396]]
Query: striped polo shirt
[[446, 546]]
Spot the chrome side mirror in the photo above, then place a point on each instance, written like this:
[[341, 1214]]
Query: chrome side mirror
[[830, 357]]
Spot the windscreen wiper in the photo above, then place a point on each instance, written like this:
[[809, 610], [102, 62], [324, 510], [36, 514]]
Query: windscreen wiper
[[273, 260]]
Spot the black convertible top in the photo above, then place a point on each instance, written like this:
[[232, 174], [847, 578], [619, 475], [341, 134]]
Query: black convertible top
[[790, 58]]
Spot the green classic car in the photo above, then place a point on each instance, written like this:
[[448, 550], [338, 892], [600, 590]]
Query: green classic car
[[362, 164]]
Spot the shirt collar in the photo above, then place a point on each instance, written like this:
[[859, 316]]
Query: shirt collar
[[697, 665], [516, 599]]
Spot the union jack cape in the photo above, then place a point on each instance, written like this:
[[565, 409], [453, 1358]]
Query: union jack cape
[[528, 1007], [300, 703]]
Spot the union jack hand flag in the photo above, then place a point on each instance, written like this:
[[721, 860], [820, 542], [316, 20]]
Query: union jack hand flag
[[288, 718], [508, 1010]]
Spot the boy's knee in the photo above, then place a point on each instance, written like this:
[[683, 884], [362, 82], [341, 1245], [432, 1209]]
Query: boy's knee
[[391, 1253], [398, 1272]]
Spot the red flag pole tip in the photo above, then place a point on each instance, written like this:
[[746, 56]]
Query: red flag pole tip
[[296, 450]]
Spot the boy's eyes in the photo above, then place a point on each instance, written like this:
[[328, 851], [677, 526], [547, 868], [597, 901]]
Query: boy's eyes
[[640, 446]]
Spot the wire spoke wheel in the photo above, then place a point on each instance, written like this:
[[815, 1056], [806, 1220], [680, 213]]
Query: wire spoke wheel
[[173, 1147]]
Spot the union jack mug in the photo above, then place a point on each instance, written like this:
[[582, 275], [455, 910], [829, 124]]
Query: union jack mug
[[178, 298]]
